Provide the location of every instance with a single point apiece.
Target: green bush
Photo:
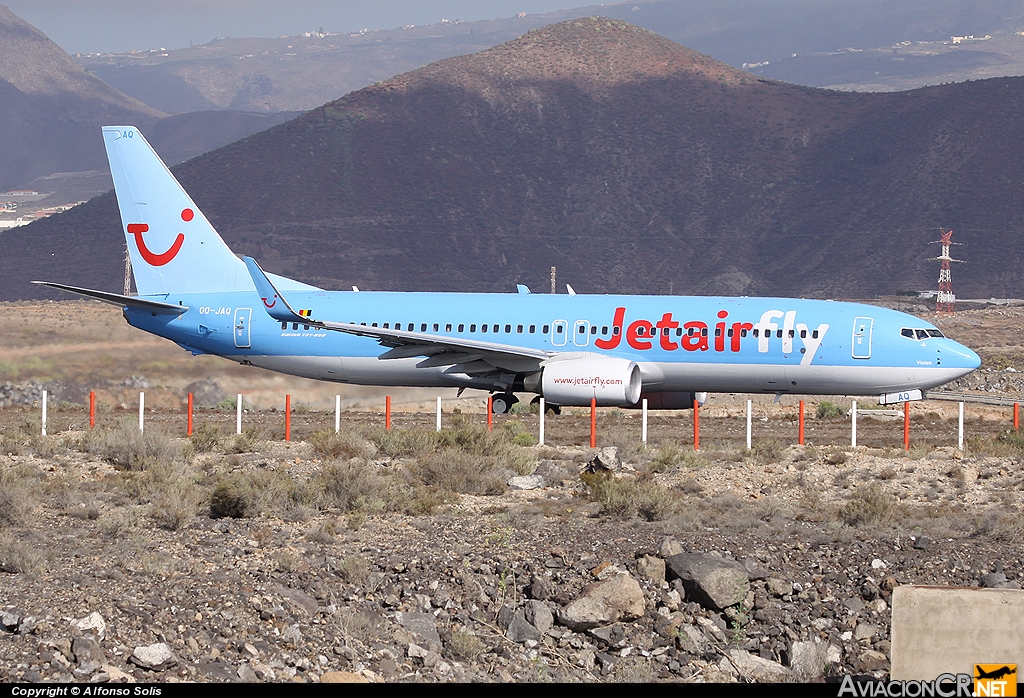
(829, 410)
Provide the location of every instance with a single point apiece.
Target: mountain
(628, 161)
(865, 45)
(51, 111)
(51, 107)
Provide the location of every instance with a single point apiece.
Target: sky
(101, 26)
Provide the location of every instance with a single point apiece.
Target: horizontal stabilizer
(117, 299)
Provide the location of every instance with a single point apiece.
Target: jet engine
(613, 382)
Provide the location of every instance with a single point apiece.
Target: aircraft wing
(155, 307)
(466, 355)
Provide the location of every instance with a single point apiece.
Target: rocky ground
(391, 556)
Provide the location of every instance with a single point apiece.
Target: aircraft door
(862, 327)
(559, 333)
(581, 333)
(243, 316)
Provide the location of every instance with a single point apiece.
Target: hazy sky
(83, 26)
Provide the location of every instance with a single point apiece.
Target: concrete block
(938, 630)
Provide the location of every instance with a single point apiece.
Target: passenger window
(604, 329)
(729, 333)
(778, 333)
(544, 330)
(410, 327)
(792, 334)
(581, 329)
(533, 328)
(462, 328)
(679, 332)
(385, 325)
(755, 332)
(558, 329)
(305, 327)
(472, 328)
(593, 329)
(295, 326)
(803, 334)
(423, 327)
(508, 329)
(436, 327)
(284, 325)
(690, 331)
(519, 329)
(615, 331)
(665, 331)
(718, 331)
(448, 328)
(814, 334)
(704, 332)
(483, 327)
(372, 325)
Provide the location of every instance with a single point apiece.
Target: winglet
(522, 288)
(273, 302)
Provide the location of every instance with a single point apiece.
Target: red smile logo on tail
(156, 260)
(270, 305)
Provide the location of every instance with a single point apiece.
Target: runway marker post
(287, 417)
(337, 414)
(750, 405)
(853, 425)
(44, 413)
(593, 422)
(906, 426)
(92, 409)
(540, 439)
(801, 436)
(438, 413)
(387, 412)
(643, 427)
(189, 426)
(142, 412)
(238, 414)
(696, 426)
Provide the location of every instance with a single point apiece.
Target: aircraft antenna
(127, 271)
(945, 300)
(553, 287)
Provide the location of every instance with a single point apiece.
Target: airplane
(567, 348)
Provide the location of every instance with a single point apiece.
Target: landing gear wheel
(502, 403)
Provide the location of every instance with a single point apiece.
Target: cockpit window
(907, 332)
(935, 333)
(922, 334)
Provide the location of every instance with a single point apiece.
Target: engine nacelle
(613, 382)
(673, 401)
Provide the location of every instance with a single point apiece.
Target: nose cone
(961, 357)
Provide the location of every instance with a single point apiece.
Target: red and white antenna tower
(945, 300)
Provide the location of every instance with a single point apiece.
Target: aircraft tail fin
(173, 247)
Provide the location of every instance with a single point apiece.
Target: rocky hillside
(628, 161)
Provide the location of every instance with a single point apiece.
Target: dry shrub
(829, 410)
(402, 443)
(327, 444)
(128, 448)
(246, 442)
(249, 494)
(17, 499)
(464, 645)
(1001, 526)
(628, 497)
(456, 471)
(766, 451)
(19, 556)
(353, 486)
(870, 505)
(206, 438)
(354, 569)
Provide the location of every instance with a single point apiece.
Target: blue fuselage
(713, 344)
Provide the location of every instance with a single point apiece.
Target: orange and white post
(387, 412)
(906, 426)
(696, 426)
(287, 417)
(593, 422)
(800, 439)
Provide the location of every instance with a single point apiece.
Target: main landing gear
(501, 403)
